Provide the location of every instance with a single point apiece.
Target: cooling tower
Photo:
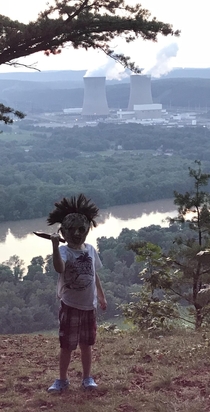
(140, 90)
(95, 102)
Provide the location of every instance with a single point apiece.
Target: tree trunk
(196, 288)
(198, 317)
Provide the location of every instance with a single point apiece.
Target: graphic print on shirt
(79, 273)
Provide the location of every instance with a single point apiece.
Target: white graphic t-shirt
(77, 285)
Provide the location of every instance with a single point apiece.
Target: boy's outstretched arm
(58, 263)
(100, 292)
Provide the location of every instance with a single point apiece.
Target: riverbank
(17, 238)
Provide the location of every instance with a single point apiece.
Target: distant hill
(50, 96)
(187, 73)
(61, 79)
(45, 76)
(191, 93)
(69, 76)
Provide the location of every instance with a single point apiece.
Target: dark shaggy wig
(78, 204)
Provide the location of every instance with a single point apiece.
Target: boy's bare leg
(86, 358)
(65, 357)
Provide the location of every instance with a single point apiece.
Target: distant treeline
(189, 93)
(40, 168)
(30, 305)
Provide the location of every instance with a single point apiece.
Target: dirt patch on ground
(134, 373)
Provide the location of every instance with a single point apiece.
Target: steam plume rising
(163, 58)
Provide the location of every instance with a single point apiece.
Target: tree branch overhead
(81, 24)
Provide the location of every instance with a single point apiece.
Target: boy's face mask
(75, 228)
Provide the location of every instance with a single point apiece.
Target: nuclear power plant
(140, 104)
(95, 103)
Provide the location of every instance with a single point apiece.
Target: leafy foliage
(194, 208)
(16, 265)
(22, 301)
(84, 24)
(4, 111)
(170, 273)
(39, 167)
(149, 314)
(152, 309)
(181, 274)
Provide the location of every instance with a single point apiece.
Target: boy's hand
(55, 239)
(103, 302)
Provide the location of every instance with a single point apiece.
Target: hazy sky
(190, 50)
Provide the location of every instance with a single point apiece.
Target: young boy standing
(78, 285)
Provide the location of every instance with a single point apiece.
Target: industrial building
(140, 100)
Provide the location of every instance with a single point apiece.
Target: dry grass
(134, 373)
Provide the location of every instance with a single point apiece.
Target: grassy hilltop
(134, 373)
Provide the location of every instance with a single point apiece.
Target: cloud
(163, 60)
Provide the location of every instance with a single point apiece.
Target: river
(17, 238)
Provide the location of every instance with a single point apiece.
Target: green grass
(135, 372)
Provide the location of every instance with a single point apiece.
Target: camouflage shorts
(76, 326)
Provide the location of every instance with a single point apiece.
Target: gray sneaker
(59, 385)
(89, 383)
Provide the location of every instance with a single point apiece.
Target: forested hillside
(39, 167)
(38, 97)
(28, 299)
(30, 304)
